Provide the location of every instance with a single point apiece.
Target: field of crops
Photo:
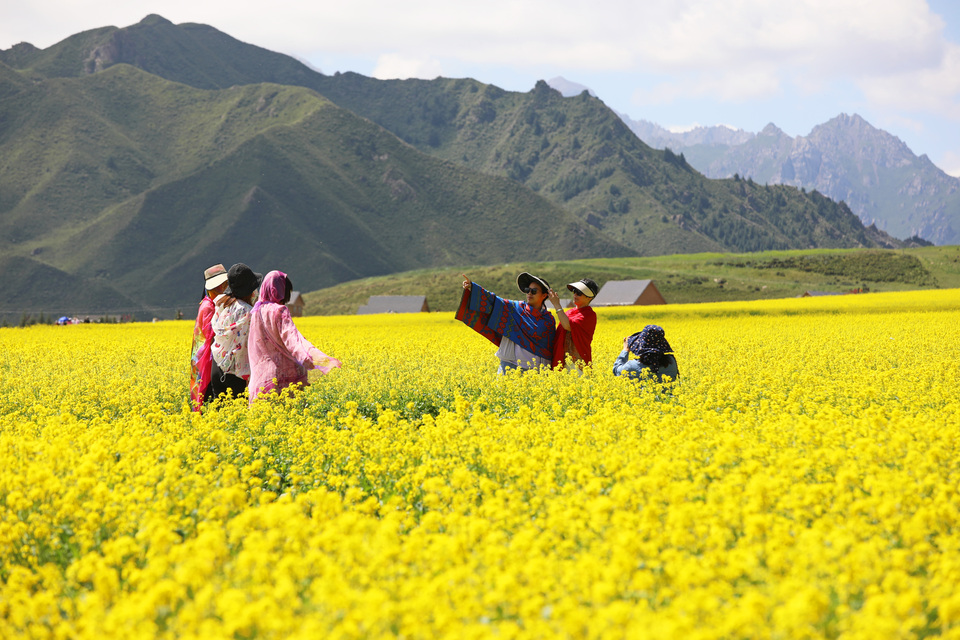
(803, 480)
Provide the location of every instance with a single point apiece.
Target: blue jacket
(636, 370)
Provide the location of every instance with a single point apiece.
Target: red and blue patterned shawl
(493, 317)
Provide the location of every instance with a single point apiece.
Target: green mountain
(575, 151)
(129, 182)
(580, 154)
(134, 157)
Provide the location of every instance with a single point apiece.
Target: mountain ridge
(266, 174)
(449, 118)
(134, 178)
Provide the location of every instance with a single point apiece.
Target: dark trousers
(220, 382)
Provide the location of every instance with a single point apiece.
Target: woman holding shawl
(279, 354)
(523, 331)
(575, 333)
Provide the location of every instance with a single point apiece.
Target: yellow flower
(801, 480)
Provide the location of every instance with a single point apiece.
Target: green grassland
(688, 278)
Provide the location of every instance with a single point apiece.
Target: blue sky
(678, 63)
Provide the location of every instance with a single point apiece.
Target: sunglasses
(532, 290)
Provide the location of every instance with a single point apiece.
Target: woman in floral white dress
(231, 327)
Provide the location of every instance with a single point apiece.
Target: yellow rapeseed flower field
(803, 481)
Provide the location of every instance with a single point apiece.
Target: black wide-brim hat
(243, 281)
(524, 280)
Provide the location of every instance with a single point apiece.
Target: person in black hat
(523, 331)
(231, 327)
(654, 356)
(575, 334)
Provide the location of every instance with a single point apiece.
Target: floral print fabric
(231, 328)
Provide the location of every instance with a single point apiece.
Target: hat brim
(631, 342)
(582, 288)
(524, 280)
(215, 281)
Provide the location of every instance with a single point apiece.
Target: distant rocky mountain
(660, 138)
(657, 136)
(846, 159)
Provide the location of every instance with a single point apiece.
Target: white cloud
(392, 66)
(670, 36)
(727, 85)
(736, 52)
(832, 36)
(949, 161)
(678, 37)
(750, 49)
(934, 89)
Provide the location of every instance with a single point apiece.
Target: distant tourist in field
(214, 282)
(654, 356)
(575, 333)
(279, 354)
(523, 331)
(231, 326)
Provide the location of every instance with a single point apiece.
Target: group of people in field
(245, 341)
(527, 338)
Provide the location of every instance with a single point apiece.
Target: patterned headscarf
(273, 288)
(649, 345)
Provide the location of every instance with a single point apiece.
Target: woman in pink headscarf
(279, 354)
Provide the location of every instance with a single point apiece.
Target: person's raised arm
(466, 281)
(561, 314)
(620, 364)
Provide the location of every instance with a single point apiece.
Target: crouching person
(654, 357)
